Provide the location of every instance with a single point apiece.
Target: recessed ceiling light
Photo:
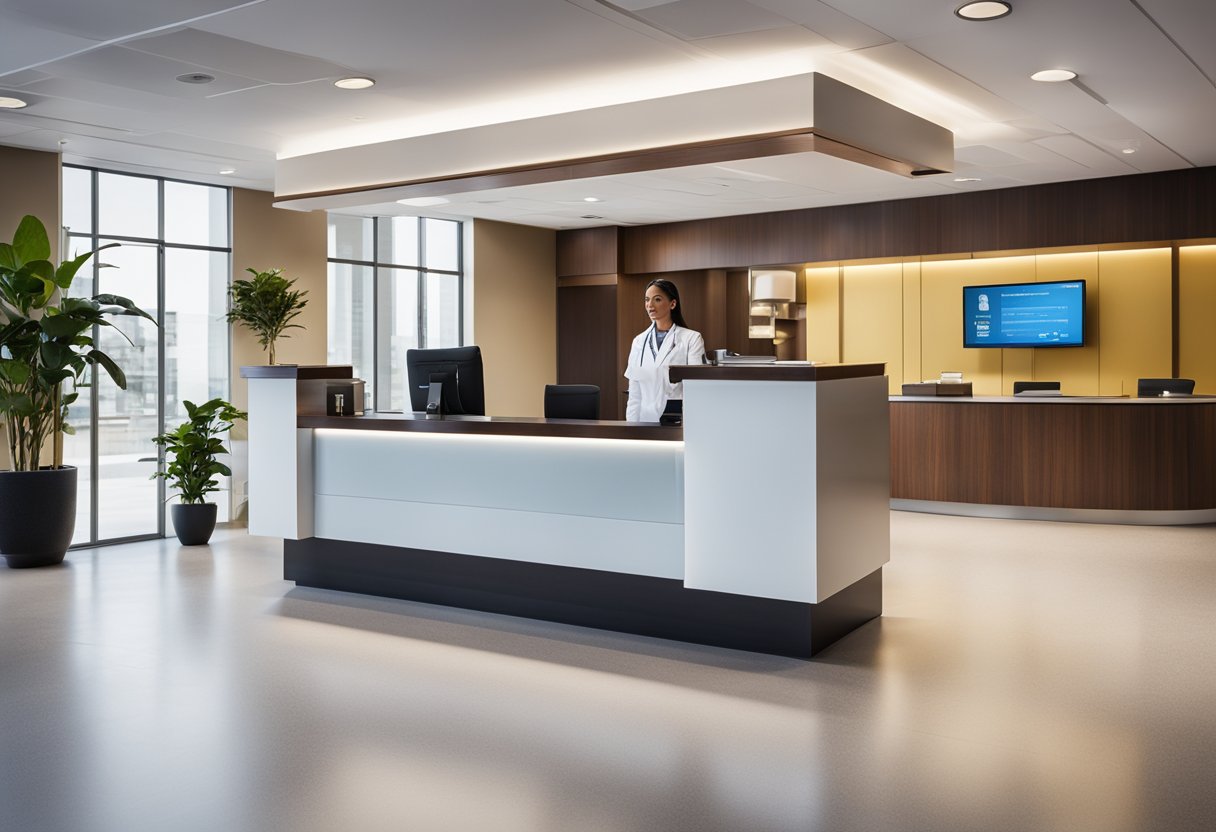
(1129, 150)
(196, 78)
(983, 10)
(1053, 76)
(591, 199)
(423, 201)
(968, 179)
(227, 171)
(355, 82)
(10, 103)
(590, 217)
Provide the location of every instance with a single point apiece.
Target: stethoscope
(652, 339)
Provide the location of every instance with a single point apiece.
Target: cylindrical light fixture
(779, 285)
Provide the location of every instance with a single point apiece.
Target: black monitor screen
(459, 368)
(1025, 315)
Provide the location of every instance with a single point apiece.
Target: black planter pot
(37, 515)
(193, 523)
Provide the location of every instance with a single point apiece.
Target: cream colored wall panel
(265, 238)
(872, 316)
(1134, 318)
(942, 284)
(1075, 368)
(515, 314)
(823, 313)
(912, 327)
(1196, 314)
(31, 185)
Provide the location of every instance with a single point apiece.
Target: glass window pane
(78, 200)
(442, 244)
(350, 238)
(399, 332)
(398, 241)
(126, 420)
(196, 334)
(196, 341)
(196, 214)
(77, 449)
(127, 205)
(350, 329)
(442, 311)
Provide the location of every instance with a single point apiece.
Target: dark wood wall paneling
(588, 251)
(586, 340)
(1141, 457)
(1174, 205)
(587, 313)
(708, 259)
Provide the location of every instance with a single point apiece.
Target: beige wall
(264, 238)
(514, 314)
(31, 186)
(909, 314)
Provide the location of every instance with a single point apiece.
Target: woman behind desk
(665, 342)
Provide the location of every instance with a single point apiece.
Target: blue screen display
(1025, 315)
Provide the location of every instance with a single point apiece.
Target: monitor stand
(434, 400)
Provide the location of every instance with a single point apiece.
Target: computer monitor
(455, 371)
(1147, 387)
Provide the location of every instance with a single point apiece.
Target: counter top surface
(772, 372)
(299, 371)
(1056, 400)
(497, 426)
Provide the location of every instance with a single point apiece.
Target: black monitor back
(572, 401)
(459, 368)
(1146, 387)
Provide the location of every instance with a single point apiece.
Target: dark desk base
(637, 604)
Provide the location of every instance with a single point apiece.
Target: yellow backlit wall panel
(942, 284)
(1076, 368)
(1197, 316)
(1134, 318)
(823, 313)
(872, 316)
(912, 328)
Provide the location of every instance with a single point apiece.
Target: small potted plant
(192, 471)
(266, 304)
(46, 351)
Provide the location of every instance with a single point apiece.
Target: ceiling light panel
(984, 10)
(1053, 76)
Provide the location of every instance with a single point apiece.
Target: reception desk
(686, 533)
(1107, 460)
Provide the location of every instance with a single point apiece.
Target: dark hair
(668, 288)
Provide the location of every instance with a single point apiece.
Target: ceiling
(100, 77)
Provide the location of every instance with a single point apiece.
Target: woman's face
(659, 306)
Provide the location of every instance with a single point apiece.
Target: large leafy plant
(266, 304)
(46, 339)
(194, 445)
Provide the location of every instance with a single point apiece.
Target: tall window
(395, 283)
(174, 262)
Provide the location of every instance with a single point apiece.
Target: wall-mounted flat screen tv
(1025, 314)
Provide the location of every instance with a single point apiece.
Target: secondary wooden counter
(1099, 459)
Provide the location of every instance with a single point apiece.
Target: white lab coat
(649, 388)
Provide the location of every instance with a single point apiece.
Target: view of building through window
(173, 261)
(395, 283)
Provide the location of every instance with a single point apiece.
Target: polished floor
(1025, 676)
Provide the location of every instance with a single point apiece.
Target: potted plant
(194, 446)
(266, 304)
(46, 339)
